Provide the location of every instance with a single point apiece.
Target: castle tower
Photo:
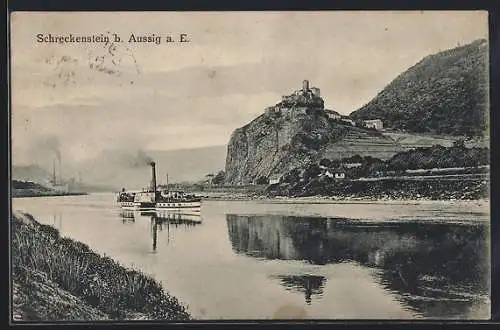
(316, 91)
(305, 85)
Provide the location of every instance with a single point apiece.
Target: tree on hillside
(219, 177)
(262, 180)
(460, 143)
(209, 177)
(353, 159)
(311, 171)
(325, 162)
(359, 123)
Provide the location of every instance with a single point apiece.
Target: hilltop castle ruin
(306, 97)
(309, 98)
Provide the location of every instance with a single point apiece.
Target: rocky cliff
(292, 134)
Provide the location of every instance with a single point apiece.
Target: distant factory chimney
(153, 177)
(60, 171)
(305, 85)
(54, 172)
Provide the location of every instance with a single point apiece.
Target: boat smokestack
(153, 177)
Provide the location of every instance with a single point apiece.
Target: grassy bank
(56, 278)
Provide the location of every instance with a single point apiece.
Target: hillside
(294, 132)
(436, 172)
(55, 278)
(445, 93)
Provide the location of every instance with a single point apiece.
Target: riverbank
(33, 189)
(58, 279)
(339, 200)
(30, 193)
(376, 189)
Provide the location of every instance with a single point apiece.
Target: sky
(87, 98)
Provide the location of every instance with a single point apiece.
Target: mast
(60, 170)
(167, 181)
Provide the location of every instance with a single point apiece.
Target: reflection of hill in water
(436, 266)
(308, 284)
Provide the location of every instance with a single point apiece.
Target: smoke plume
(50, 143)
(140, 159)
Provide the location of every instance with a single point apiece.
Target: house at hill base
(351, 165)
(374, 123)
(335, 174)
(339, 175)
(348, 120)
(274, 179)
(333, 114)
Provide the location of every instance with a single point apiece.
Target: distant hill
(33, 173)
(445, 93)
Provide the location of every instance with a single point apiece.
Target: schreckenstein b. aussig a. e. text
(151, 38)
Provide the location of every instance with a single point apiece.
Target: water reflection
(308, 284)
(434, 269)
(127, 216)
(57, 220)
(162, 221)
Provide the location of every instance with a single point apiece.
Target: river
(261, 260)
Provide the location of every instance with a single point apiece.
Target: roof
(333, 112)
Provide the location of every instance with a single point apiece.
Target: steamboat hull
(137, 206)
(179, 206)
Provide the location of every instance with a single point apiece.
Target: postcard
(177, 166)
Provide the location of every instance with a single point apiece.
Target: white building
(375, 123)
(339, 175)
(274, 180)
(333, 114)
(348, 120)
(336, 174)
(351, 165)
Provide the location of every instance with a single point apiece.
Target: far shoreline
(232, 197)
(50, 195)
(336, 200)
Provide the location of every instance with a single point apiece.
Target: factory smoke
(51, 143)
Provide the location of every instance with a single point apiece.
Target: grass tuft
(99, 281)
